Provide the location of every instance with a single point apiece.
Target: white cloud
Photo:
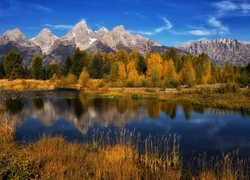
(139, 15)
(221, 29)
(149, 33)
(226, 5)
(230, 8)
(59, 26)
(167, 26)
(200, 32)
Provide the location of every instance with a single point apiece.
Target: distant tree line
(128, 69)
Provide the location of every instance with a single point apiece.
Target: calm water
(81, 117)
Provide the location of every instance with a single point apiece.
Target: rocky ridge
(221, 50)
(56, 49)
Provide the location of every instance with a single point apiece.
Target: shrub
(228, 88)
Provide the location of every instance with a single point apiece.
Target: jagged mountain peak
(45, 39)
(46, 31)
(119, 29)
(14, 34)
(221, 50)
(103, 29)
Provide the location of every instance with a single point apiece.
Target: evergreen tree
(2, 73)
(67, 66)
(248, 69)
(141, 65)
(13, 65)
(80, 59)
(51, 70)
(37, 69)
(96, 68)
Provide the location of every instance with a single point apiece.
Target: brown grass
(54, 158)
(26, 84)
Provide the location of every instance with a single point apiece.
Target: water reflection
(79, 116)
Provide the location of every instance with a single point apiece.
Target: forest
(123, 69)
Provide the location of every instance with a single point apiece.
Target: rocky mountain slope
(221, 50)
(45, 39)
(16, 40)
(56, 49)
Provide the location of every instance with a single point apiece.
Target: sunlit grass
(209, 95)
(55, 158)
(27, 84)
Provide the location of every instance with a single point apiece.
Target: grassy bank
(219, 96)
(54, 158)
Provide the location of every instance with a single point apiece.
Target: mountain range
(55, 49)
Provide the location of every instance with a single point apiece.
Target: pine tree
(13, 65)
(37, 69)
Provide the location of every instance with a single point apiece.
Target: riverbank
(216, 95)
(55, 158)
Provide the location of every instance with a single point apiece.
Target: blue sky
(168, 22)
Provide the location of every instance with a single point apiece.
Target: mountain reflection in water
(78, 116)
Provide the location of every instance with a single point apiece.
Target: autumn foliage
(129, 69)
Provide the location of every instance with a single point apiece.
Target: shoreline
(203, 95)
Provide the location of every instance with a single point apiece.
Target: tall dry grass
(55, 158)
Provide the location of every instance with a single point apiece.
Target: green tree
(248, 69)
(13, 65)
(37, 69)
(51, 70)
(114, 72)
(96, 68)
(228, 74)
(141, 65)
(122, 56)
(67, 66)
(2, 73)
(107, 60)
(170, 54)
(80, 59)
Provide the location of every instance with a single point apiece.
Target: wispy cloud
(59, 26)
(167, 26)
(231, 8)
(126, 13)
(200, 32)
(221, 29)
(157, 30)
(41, 8)
(140, 16)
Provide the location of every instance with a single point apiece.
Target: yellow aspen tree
(187, 74)
(169, 72)
(133, 56)
(154, 68)
(84, 78)
(206, 76)
(122, 72)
